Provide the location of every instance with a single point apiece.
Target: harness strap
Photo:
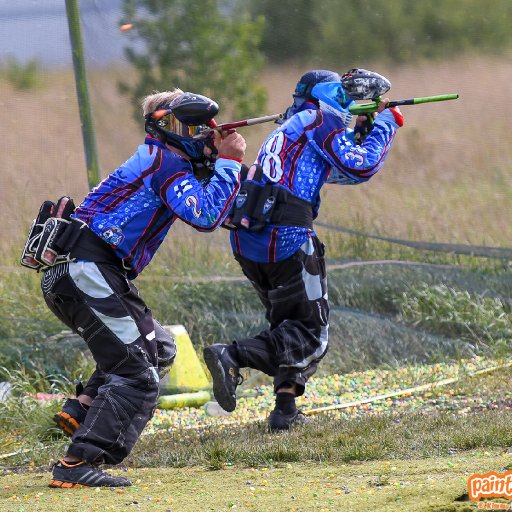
(90, 247)
(290, 210)
(257, 206)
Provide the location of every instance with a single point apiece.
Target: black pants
(294, 294)
(98, 302)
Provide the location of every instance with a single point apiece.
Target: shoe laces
(236, 377)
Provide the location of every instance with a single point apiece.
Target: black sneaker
(81, 474)
(225, 374)
(278, 420)
(69, 418)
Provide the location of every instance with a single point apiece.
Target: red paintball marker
(231, 127)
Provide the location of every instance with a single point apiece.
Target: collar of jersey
(154, 142)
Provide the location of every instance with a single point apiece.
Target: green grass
(381, 314)
(433, 485)
(408, 432)
(459, 314)
(329, 440)
(414, 459)
(416, 462)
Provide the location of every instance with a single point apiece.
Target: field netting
(368, 324)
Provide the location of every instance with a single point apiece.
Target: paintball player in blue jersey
(105, 243)
(276, 246)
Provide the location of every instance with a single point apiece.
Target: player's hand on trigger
(230, 145)
(362, 119)
(397, 114)
(364, 125)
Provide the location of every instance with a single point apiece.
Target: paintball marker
(229, 127)
(364, 108)
(359, 84)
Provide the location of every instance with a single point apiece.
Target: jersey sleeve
(202, 204)
(351, 163)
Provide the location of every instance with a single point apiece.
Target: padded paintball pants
(294, 294)
(100, 304)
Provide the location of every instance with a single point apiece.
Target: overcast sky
(38, 29)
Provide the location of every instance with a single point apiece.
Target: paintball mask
(361, 84)
(179, 122)
(323, 88)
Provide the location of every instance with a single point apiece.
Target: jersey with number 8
(310, 149)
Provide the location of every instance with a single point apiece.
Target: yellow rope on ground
(405, 392)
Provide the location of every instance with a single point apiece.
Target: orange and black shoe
(69, 418)
(68, 475)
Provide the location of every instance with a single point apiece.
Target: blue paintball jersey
(134, 207)
(308, 150)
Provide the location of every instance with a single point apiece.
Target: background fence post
(84, 104)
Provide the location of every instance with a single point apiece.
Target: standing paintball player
(276, 245)
(104, 244)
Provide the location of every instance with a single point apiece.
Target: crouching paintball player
(90, 255)
(274, 241)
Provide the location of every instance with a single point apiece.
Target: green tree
(343, 33)
(290, 27)
(199, 46)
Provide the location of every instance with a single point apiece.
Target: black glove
(363, 127)
(203, 171)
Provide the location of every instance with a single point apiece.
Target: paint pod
(181, 400)
(214, 409)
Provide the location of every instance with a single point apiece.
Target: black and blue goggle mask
(179, 122)
(324, 88)
(332, 97)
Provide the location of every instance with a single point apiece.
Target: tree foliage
(217, 47)
(341, 32)
(198, 47)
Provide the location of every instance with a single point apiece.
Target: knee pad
(132, 394)
(166, 350)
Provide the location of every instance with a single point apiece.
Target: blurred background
(447, 180)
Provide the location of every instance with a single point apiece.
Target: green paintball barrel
(363, 108)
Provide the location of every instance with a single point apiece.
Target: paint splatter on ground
(357, 388)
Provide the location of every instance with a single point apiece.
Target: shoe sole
(275, 430)
(220, 391)
(66, 423)
(65, 485)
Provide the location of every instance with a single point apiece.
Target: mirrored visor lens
(177, 127)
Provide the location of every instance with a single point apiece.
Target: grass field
(433, 485)
(416, 457)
